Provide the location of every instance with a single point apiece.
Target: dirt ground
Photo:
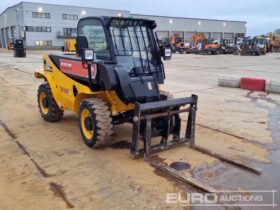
(47, 166)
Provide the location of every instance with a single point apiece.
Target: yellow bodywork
(68, 93)
(10, 45)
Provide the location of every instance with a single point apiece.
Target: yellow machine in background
(11, 45)
(69, 45)
(274, 41)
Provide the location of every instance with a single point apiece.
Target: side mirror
(81, 43)
(87, 55)
(166, 53)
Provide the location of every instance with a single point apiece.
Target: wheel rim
(44, 105)
(86, 122)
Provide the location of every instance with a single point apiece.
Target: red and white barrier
(250, 83)
(272, 86)
(253, 84)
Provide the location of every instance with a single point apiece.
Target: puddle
(179, 166)
(225, 176)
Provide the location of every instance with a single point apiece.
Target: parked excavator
(212, 47)
(178, 44)
(198, 41)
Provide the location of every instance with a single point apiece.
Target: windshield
(251, 41)
(131, 38)
(262, 41)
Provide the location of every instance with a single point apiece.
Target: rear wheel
(48, 107)
(95, 123)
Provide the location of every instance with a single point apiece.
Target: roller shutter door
(216, 36)
(2, 41)
(240, 35)
(179, 34)
(228, 36)
(162, 34)
(189, 36)
(7, 35)
(207, 34)
(13, 31)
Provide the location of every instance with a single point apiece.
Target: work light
(88, 55)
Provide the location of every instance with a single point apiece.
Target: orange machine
(178, 44)
(198, 38)
(212, 44)
(205, 46)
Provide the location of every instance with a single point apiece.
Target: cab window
(94, 31)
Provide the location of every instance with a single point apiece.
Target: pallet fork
(144, 114)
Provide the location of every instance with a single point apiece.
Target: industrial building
(48, 25)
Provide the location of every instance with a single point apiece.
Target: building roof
(10, 8)
(29, 2)
(174, 17)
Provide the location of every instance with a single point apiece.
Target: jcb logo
(65, 91)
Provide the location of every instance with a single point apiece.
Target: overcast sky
(261, 16)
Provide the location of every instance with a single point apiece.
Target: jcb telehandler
(115, 79)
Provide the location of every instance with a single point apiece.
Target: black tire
(48, 107)
(257, 53)
(98, 121)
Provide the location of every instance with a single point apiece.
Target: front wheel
(48, 107)
(95, 123)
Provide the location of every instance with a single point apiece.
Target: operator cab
(127, 57)
(128, 42)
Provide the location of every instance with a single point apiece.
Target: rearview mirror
(167, 53)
